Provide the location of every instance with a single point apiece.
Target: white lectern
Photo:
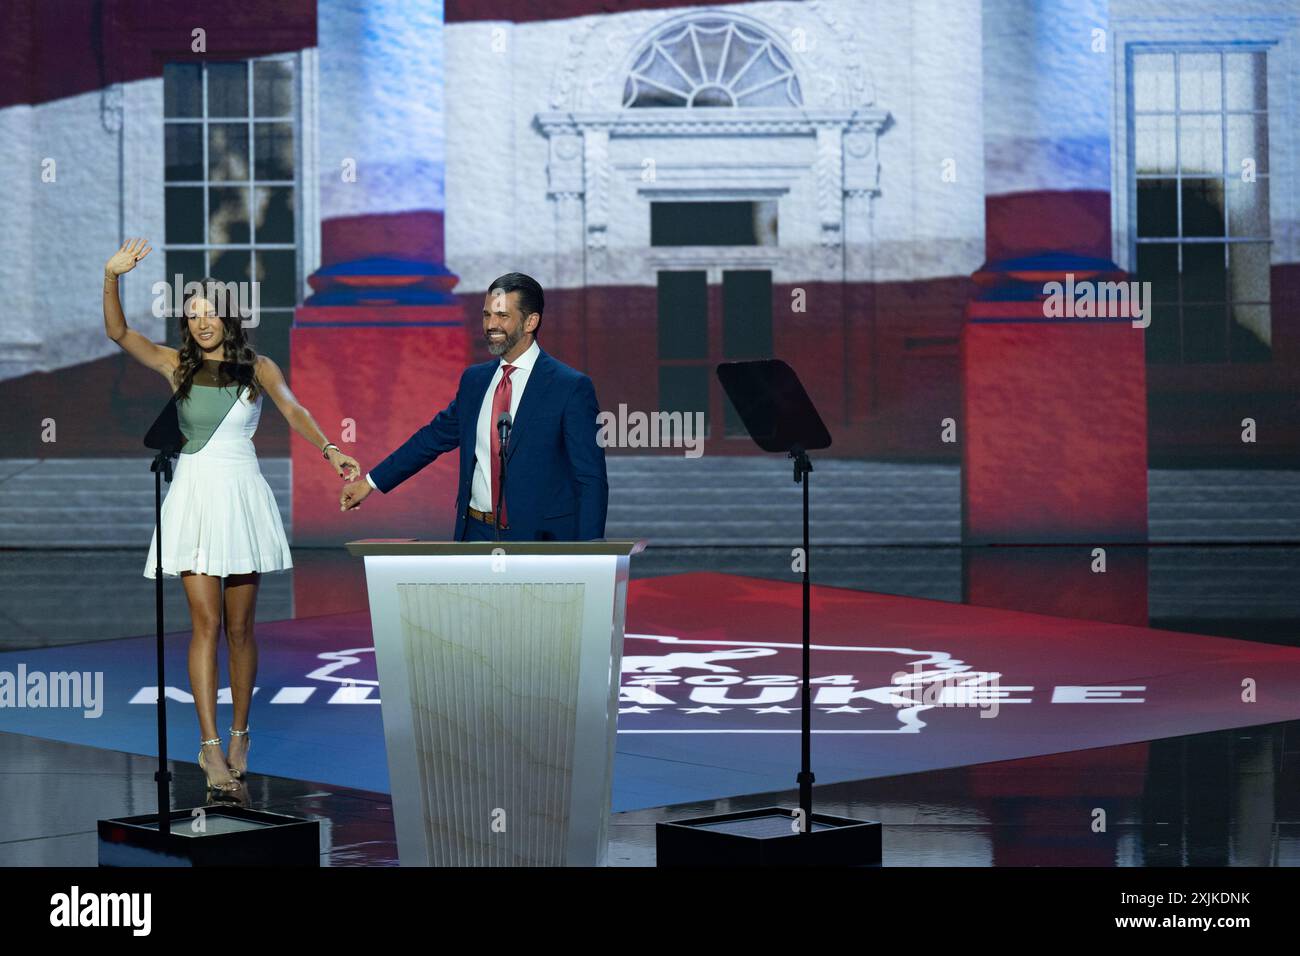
(498, 667)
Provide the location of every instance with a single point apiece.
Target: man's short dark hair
(530, 292)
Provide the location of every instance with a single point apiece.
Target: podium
(498, 666)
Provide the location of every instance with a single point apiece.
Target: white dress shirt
(480, 498)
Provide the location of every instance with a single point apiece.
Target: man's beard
(504, 346)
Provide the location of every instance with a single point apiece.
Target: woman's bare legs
(241, 606)
(204, 594)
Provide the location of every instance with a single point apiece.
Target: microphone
(503, 428)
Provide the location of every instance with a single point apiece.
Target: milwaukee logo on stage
(678, 685)
(675, 685)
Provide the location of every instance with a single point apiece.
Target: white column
(1047, 96)
(381, 106)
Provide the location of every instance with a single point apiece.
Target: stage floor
(902, 685)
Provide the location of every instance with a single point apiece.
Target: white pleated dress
(219, 515)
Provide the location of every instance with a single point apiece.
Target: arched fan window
(712, 62)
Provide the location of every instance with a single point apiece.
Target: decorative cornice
(736, 121)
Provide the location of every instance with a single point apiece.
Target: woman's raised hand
(124, 260)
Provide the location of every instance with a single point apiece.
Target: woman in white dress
(220, 524)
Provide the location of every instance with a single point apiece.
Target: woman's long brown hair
(239, 362)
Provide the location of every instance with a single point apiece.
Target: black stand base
(764, 837)
(227, 836)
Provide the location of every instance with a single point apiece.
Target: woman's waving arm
(300, 420)
(160, 358)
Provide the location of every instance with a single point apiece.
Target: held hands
(124, 260)
(343, 463)
(349, 470)
(353, 494)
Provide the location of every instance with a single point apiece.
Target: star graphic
(846, 709)
(774, 709)
(703, 710)
(638, 710)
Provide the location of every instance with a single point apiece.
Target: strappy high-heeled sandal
(239, 772)
(226, 787)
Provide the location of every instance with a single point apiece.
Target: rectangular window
(683, 317)
(746, 327)
(683, 313)
(1201, 180)
(231, 192)
(713, 223)
(746, 314)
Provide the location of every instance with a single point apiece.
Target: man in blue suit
(555, 487)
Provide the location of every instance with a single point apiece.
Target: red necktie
(500, 403)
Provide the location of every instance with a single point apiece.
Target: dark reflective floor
(1223, 799)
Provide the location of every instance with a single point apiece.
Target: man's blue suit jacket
(556, 487)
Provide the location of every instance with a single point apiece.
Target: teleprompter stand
(781, 418)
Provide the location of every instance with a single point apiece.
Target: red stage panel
(377, 375)
(1055, 447)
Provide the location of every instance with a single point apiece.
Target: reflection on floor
(50, 597)
(1230, 798)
